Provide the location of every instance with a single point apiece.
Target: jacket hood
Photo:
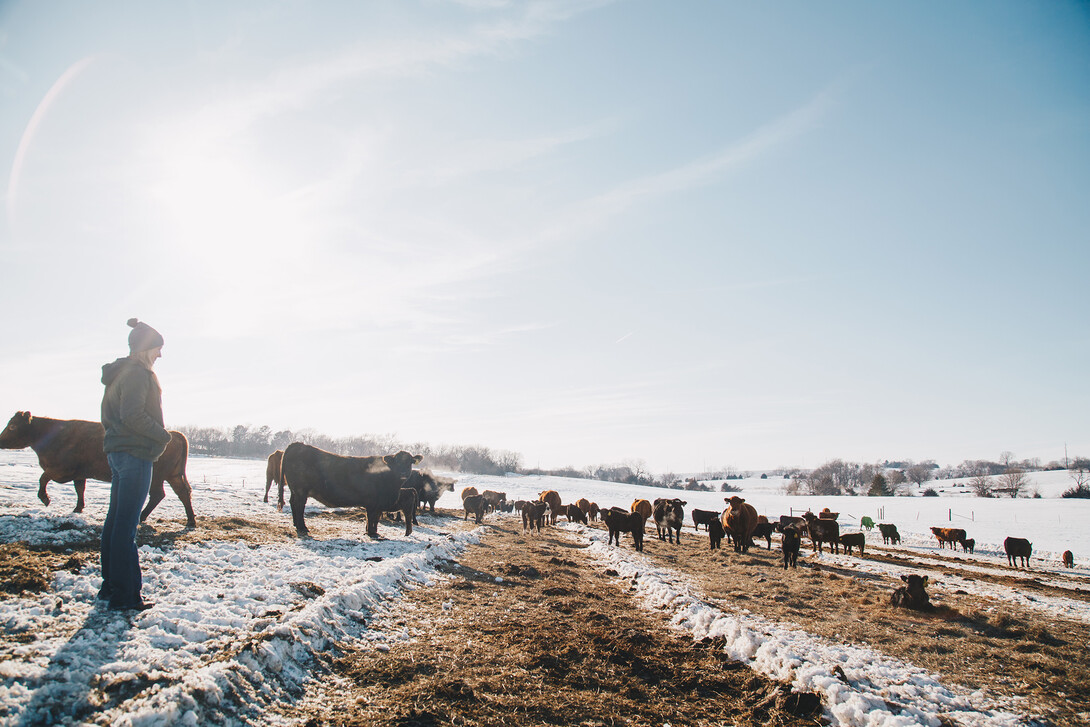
(112, 370)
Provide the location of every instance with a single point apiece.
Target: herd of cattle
(71, 451)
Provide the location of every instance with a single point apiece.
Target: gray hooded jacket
(132, 410)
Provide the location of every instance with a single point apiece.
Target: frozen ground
(237, 626)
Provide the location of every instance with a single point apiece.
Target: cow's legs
(298, 505)
(373, 514)
(81, 487)
(155, 496)
(42, 494)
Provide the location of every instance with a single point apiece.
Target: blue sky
(695, 234)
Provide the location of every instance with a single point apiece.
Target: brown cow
(853, 540)
(373, 483)
(969, 545)
(913, 594)
(823, 531)
(552, 499)
(583, 504)
(272, 471)
(493, 499)
(1017, 548)
(949, 535)
(594, 512)
(469, 491)
(533, 515)
(1069, 559)
(70, 450)
(740, 519)
(669, 517)
(643, 507)
(475, 505)
(618, 521)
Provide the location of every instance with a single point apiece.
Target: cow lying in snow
(913, 594)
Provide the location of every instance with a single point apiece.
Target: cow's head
(16, 434)
(402, 463)
(915, 583)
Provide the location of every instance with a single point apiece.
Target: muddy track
(526, 632)
(969, 639)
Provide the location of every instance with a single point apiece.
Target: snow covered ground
(236, 625)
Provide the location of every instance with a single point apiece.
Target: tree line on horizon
(1006, 477)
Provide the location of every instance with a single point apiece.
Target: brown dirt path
(526, 632)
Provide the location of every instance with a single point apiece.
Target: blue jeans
(121, 579)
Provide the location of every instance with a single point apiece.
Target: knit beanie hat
(143, 337)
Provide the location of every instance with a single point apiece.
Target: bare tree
(1013, 482)
(981, 484)
(920, 472)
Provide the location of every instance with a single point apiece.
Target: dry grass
(555, 643)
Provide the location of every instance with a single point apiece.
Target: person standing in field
(132, 414)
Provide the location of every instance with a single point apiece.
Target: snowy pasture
(237, 626)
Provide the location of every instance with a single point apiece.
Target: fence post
(950, 515)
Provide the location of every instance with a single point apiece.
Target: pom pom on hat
(143, 337)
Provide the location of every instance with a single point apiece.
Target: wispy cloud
(773, 135)
(299, 83)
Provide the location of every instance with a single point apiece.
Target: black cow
(430, 488)
(1017, 548)
(669, 518)
(765, 530)
(620, 521)
(715, 533)
(373, 483)
(889, 533)
(574, 513)
(705, 518)
(790, 543)
(853, 540)
(823, 530)
(913, 594)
